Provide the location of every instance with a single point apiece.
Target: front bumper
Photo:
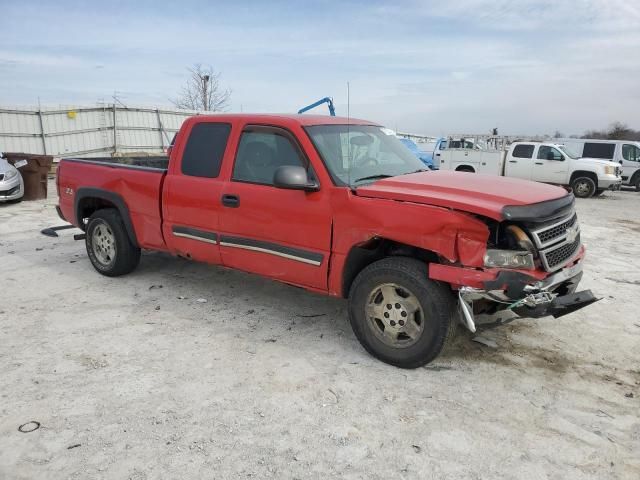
(524, 295)
(12, 189)
(609, 182)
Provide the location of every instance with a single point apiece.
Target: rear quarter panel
(139, 189)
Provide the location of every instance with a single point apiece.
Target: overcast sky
(432, 67)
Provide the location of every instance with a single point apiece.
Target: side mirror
(293, 177)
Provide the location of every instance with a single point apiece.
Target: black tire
(465, 169)
(599, 192)
(636, 183)
(125, 257)
(583, 187)
(436, 301)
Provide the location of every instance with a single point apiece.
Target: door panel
(283, 234)
(630, 160)
(547, 170)
(280, 233)
(191, 217)
(519, 162)
(191, 193)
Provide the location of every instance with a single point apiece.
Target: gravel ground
(182, 370)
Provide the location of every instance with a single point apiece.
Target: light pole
(205, 81)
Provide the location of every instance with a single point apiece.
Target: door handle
(539, 163)
(513, 161)
(232, 201)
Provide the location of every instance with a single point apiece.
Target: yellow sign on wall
(71, 114)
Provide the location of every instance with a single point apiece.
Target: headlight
(10, 174)
(609, 170)
(509, 259)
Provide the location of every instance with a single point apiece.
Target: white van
(624, 152)
(540, 162)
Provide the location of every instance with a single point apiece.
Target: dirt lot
(182, 370)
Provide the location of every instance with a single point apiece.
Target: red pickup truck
(337, 206)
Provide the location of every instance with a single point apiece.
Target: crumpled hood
(470, 192)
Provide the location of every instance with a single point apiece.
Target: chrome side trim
(193, 237)
(271, 252)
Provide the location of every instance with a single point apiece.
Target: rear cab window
(523, 151)
(205, 148)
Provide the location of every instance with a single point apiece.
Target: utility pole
(205, 82)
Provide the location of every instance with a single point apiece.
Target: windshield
(567, 152)
(360, 154)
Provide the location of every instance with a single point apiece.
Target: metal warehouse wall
(88, 131)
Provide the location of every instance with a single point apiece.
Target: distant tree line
(616, 131)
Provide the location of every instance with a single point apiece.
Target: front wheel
(583, 187)
(108, 245)
(398, 314)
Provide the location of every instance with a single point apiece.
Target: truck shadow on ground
(285, 305)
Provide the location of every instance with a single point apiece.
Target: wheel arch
(88, 200)
(584, 173)
(364, 254)
(465, 168)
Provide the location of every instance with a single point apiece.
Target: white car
(11, 183)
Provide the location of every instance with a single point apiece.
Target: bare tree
(558, 134)
(203, 91)
(619, 131)
(616, 131)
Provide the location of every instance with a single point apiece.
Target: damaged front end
(525, 296)
(531, 266)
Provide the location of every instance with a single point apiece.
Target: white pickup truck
(537, 161)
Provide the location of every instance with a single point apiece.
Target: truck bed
(136, 182)
(157, 161)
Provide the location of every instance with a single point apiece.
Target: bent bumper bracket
(559, 306)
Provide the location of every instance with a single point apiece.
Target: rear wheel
(399, 315)
(583, 187)
(636, 183)
(108, 245)
(465, 169)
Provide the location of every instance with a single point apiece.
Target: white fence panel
(73, 130)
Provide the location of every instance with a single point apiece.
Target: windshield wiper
(373, 177)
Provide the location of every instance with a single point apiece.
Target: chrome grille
(551, 234)
(557, 243)
(558, 256)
